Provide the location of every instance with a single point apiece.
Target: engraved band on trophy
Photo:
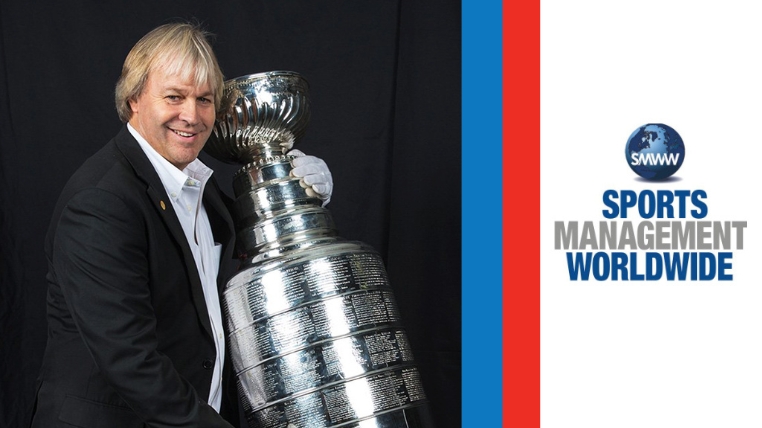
(315, 336)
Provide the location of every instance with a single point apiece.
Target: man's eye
(204, 100)
(173, 97)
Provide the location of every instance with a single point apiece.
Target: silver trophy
(315, 336)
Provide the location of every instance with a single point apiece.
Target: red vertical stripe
(521, 214)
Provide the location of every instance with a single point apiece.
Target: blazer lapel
(155, 190)
(222, 229)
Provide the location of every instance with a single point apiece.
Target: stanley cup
(315, 336)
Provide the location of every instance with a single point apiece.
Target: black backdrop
(385, 87)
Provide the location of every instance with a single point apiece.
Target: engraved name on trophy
(315, 335)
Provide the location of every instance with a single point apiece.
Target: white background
(651, 354)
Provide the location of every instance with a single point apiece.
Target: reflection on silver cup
(315, 335)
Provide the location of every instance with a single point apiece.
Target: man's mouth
(183, 134)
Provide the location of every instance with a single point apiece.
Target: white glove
(314, 174)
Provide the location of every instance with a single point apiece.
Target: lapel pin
(164, 207)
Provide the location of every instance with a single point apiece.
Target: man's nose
(189, 112)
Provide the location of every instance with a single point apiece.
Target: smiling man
(174, 114)
(139, 246)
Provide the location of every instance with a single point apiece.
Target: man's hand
(314, 173)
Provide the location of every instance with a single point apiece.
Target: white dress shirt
(186, 189)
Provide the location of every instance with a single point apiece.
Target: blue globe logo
(655, 151)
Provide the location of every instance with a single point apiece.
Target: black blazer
(129, 338)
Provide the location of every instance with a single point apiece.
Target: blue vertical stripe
(482, 213)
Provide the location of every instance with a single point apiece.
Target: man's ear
(133, 104)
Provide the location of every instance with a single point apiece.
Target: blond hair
(181, 49)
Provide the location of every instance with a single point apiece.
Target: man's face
(174, 115)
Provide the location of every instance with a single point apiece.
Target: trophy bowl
(261, 114)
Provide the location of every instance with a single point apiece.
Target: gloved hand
(314, 173)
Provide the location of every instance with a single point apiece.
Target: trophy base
(417, 416)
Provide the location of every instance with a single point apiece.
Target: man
(139, 246)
